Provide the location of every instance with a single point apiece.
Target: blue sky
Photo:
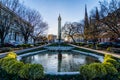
(70, 10)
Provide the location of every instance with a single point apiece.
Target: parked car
(105, 44)
(12, 44)
(109, 44)
(116, 44)
(8, 45)
(90, 42)
(15, 44)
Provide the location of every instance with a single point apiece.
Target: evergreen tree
(86, 25)
(97, 15)
(94, 26)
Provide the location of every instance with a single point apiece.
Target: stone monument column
(59, 28)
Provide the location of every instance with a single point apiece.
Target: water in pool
(60, 61)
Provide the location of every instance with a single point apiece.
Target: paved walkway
(99, 51)
(21, 51)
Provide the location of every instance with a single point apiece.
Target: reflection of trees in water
(75, 62)
(28, 59)
(69, 63)
(65, 63)
(91, 60)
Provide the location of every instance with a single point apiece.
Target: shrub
(108, 56)
(82, 44)
(5, 72)
(11, 55)
(31, 71)
(42, 43)
(111, 70)
(15, 67)
(108, 49)
(112, 61)
(25, 45)
(2, 73)
(99, 47)
(6, 49)
(90, 45)
(6, 63)
(97, 70)
(92, 71)
(107, 69)
(10, 66)
(36, 44)
(85, 72)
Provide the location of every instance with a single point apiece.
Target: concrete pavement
(21, 51)
(99, 51)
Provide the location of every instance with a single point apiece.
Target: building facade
(14, 34)
(52, 38)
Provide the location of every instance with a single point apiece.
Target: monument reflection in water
(60, 61)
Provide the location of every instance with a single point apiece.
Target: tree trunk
(118, 35)
(73, 39)
(2, 41)
(34, 41)
(26, 40)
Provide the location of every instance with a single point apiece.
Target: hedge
(10, 66)
(109, 67)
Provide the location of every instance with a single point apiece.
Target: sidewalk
(98, 51)
(21, 51)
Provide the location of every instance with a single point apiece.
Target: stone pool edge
(62, 73)
(97, 51)
(100, 58)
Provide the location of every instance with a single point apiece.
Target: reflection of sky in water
(70, 61)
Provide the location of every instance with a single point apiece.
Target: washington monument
(59, 28)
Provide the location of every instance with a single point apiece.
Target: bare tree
(39, 30)
(94, 25)
(39, 27)
(26, 30)
(11, 4)
(72, 29)
(6, 20)
(30, 23)
(110, 14)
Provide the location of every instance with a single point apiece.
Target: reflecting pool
(60, 61)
